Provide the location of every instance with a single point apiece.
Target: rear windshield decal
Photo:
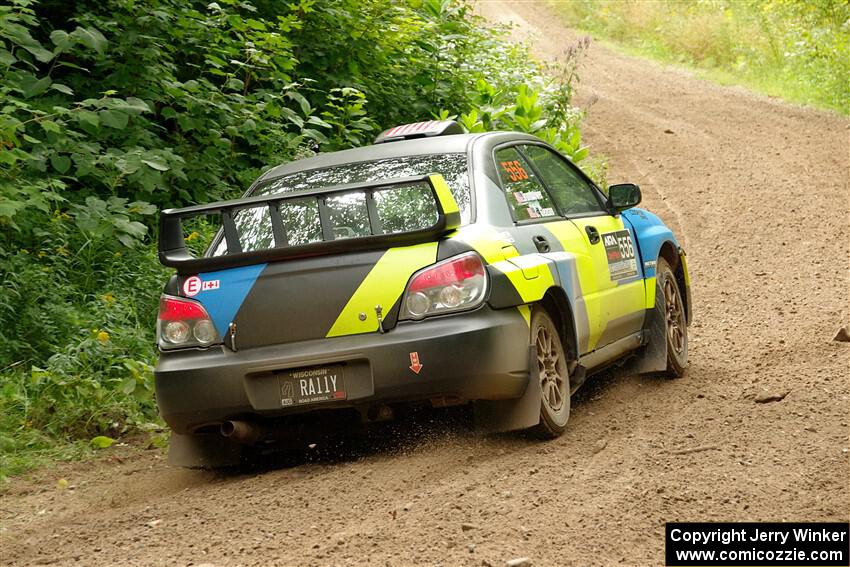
(620, 252)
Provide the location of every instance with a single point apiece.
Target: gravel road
(757, 189)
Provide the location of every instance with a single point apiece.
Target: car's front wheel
(672, 312)
(553, 368)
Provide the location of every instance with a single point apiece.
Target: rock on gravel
(842, 336)
(768, 397)
(519, 562)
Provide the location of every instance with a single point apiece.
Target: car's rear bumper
(472, 356)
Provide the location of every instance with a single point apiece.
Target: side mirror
(623, 196)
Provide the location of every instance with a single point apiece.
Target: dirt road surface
(757, 190)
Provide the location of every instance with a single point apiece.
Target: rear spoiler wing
(174, 253)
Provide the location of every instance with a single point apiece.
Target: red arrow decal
(414, 362)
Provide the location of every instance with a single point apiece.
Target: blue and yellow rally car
(433, 267)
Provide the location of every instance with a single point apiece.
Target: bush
(538, 106)
(113, 109)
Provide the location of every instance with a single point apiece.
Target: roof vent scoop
(419, 130)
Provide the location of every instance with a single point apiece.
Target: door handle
(541, 243)
(592, 234)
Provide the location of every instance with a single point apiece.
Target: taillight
(456, 284)
(184, 323)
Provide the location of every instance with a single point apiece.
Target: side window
(572, 193)
(524, 192)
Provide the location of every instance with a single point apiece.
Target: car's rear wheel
(672, 311)
(553, 369)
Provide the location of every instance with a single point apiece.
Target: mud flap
(654, 355)
(496, 416)
(203, 451)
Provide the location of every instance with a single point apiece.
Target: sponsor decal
(527, 196)
(620, 252)
(535, 211)
(195, 285)
(192, 286)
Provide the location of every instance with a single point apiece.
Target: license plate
(311, 385)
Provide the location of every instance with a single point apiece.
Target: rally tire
(670, 308)
(554, 373)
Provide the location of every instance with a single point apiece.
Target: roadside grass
(794, 50)
(37, 428)
(33, 450)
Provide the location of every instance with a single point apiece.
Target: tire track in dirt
(758, 191)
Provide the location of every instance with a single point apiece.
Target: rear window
(401, 209)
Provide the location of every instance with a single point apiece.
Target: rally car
(434, 267)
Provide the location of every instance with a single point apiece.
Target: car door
(610, 274)
(542, 236)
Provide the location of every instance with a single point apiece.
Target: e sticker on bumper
(620, 252)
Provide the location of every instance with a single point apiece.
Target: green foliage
(797, 49)
(102, 442)
(346, 115)
(113, 109)
(528, 112)
(537, 106)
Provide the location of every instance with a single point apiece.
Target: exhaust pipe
(243, 432)
(381, 412)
